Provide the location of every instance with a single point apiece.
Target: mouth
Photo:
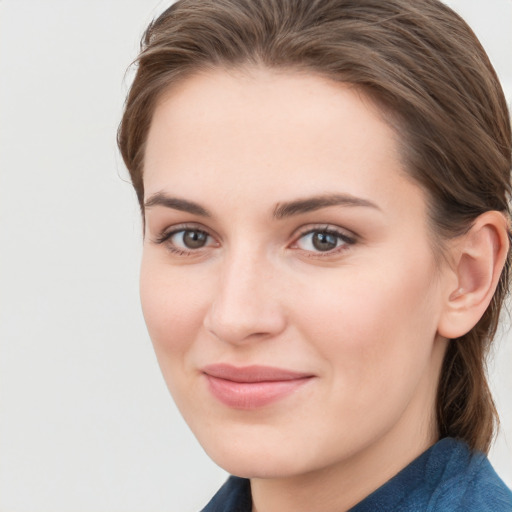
(252, 387)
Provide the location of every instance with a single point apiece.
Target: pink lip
(250, 387)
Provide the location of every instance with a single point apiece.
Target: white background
(86, 423)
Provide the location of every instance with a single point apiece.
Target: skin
(362, 319)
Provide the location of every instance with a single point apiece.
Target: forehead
(302, 133)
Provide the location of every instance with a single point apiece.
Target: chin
(261, 455)
(256, 465)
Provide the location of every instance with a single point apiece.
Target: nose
(246, 305)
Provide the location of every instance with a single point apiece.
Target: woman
(324, 186)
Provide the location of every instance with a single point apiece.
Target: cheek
(172, 305)
(376, 336)
(377, 323)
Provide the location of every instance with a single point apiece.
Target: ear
(477, 259)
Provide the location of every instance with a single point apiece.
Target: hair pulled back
(424, 67)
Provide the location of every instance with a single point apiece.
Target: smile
(251, 387)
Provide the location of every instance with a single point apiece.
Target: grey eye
(322, 241)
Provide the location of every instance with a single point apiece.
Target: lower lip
(252, 395)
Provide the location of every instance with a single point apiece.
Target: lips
(252, 387)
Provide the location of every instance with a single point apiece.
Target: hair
(425, 69)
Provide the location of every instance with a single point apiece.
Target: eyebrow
(310, 204)
(281, 211)
(161, 199)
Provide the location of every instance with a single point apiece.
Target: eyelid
(328, 228)
(170, 231)
(349, 238)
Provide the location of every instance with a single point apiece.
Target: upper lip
(253, 373)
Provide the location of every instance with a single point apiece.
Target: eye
(323, 240)
(189, 239)
(186, 240)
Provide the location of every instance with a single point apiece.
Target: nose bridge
(246, 304)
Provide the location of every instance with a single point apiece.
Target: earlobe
(478, 259)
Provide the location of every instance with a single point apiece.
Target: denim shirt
(448, 477)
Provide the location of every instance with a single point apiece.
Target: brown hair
(422, 64)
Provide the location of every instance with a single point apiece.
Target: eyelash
(165, 236)
(341, 236)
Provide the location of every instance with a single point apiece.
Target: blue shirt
(448, 477)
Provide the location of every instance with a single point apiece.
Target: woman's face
(288, 279)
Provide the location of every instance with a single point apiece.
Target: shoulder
(448, 477)
(469, 484)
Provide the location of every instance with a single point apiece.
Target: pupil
(324, 241)
(194, 239)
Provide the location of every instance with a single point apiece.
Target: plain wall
(86, 423)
